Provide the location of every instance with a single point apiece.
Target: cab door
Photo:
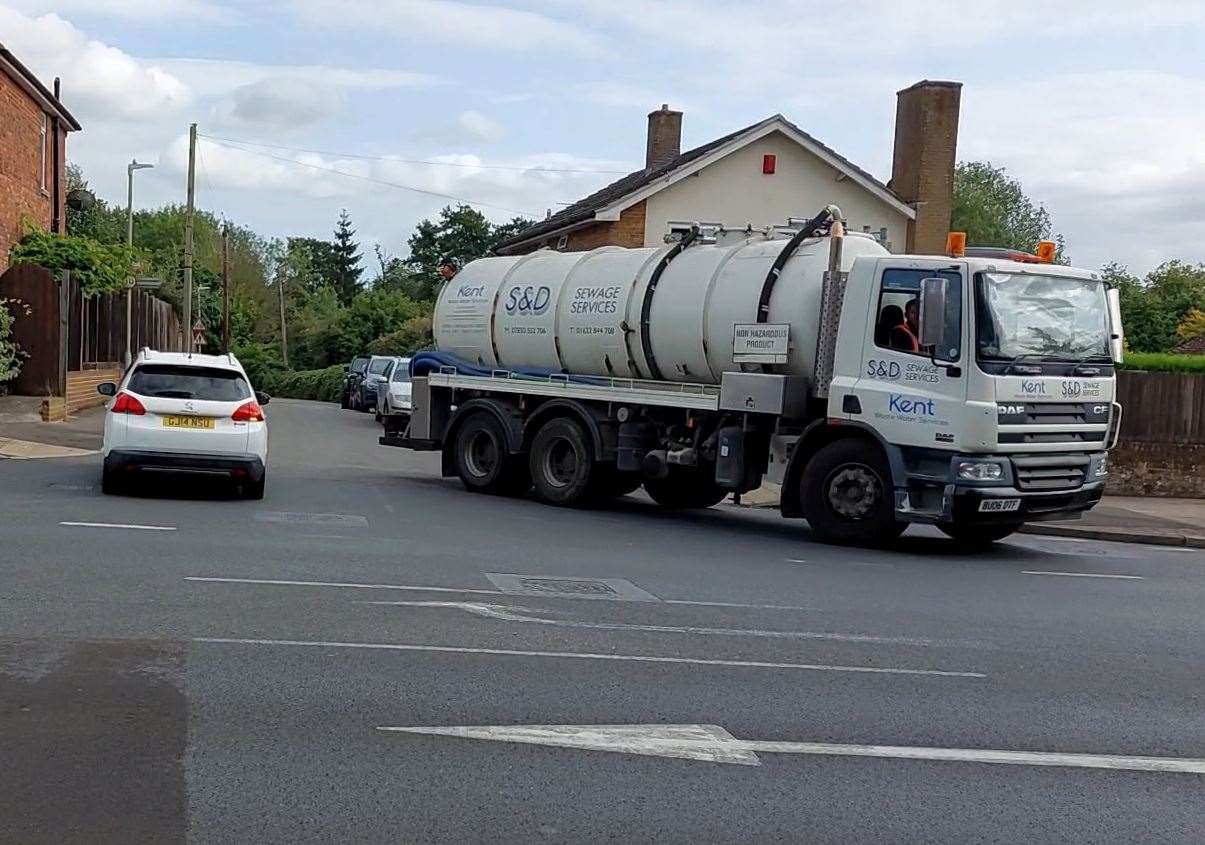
(904, 394)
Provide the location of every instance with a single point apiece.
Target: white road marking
(119, 525)
(1084, 575)
(507, 614)
(712, 743)
(465, 590)
(629, 658)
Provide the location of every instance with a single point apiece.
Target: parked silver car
(393, 396)
(375, 376)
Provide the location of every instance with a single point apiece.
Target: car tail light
(248, 412)
(127, 404)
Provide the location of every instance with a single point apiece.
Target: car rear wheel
(111, 483)
(254, 489)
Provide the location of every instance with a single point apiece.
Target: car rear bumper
(127, 460)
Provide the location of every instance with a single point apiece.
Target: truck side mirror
(932, 317)
(1116, 335)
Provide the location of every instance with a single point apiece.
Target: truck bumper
(964, 504)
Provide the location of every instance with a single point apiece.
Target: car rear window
(358, 365)
(177, 382)
(378, 366)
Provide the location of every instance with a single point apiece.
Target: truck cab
(988, 382)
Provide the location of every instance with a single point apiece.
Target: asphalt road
(154, 687)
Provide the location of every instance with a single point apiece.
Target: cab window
(897, 327)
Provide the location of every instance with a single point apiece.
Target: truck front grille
(1090, 437)
(1050, 472)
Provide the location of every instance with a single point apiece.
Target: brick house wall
(21, 185)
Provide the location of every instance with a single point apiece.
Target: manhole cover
(615, 589)
(327, 519)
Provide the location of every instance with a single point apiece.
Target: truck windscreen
(1040, 316)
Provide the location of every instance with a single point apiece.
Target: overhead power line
(513, 167)
(372, 179)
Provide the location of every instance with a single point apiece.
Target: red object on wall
(767, 163)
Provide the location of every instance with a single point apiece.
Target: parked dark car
(355, 374)
(364, 396)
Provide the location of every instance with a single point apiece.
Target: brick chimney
(665, 137)
(922, 173)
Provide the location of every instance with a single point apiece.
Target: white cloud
(1116, 157)
(491, 27)
(97, 79)
(478, 127)
(134, 10)
(217, 77)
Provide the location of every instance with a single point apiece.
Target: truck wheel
(847, 495)
(682, 490)
(611, 483)
(483, 461)
(562, 464)
(978, 536)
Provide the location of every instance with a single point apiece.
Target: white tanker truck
(973, 391)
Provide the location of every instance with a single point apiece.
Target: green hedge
(322, 385)
(1164, 362)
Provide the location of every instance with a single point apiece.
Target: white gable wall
(734, 191)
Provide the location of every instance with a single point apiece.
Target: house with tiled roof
(766, 173)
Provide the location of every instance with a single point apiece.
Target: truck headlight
(1102, 467)
(980, 471)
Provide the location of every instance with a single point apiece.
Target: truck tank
(580, 312)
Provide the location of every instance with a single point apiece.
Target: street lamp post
(130, 168)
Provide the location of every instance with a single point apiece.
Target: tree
(1191, 326)
(1153, 308)
(346, 260)
(461, 234)
(993, 210)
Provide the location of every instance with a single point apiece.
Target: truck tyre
(978, 536)
(483, 461)
(562, 464)
(683, 490)
(846, 493)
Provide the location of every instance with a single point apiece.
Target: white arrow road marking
(507, 614)
(714, 744)
(631, 658)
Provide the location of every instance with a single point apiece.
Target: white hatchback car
(174, 412)
(393, 396)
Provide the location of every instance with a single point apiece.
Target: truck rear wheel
(483, 461)
(978, 536)
(682, 490)
(611, 483)
(846, 495)
(562, 464)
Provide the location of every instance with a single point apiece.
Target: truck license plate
(999, 505)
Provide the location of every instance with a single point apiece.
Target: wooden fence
(1162, 407)
(96, 328)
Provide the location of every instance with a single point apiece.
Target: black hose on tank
(818, 225)
(646, 307)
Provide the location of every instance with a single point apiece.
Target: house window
(42, 152)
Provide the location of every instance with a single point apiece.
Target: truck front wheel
(562, 464)
(482, 460)
(846, 495)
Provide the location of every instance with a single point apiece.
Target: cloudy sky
(309, 106)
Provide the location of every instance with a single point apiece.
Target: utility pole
(130, 168)
(192, 178)
(226, 288)
(284, 332)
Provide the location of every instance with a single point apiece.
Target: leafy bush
(11, 355)
(322, 385)
(261, 361)
(415, 334)
(98, 268)
(1160, 362)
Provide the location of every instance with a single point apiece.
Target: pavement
(373, 654)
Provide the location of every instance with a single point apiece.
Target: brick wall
(20, 186)
(627, 231)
